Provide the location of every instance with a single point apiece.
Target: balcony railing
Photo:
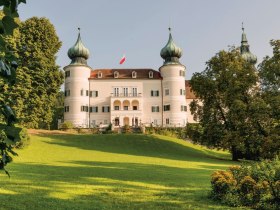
(123, 95)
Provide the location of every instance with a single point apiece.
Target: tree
(39, 79)
(269, 72)
(58, 110)
(233, 113)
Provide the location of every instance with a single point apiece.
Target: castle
(133, 97)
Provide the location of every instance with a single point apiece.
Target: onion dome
(78, 53)
(245, 51)
(171, 52)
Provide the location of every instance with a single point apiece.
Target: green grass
(110, 172)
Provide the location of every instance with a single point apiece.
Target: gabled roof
(125, 74)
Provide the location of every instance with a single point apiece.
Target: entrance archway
(125, 121)
(117, 121)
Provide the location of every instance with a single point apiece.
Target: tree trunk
(234, 153)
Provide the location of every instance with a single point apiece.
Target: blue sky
(110, 28)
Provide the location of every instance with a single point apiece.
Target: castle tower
(173, 85)
(76, 103)
(245, 51)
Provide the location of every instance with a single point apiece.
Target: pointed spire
(78, 53)
(244, 49)
(171, 53)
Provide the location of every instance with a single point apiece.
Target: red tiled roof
(189, 93)
(125, 74)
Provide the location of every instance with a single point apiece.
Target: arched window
(151, 74)
(134, 74)
(116, 74)
(99, 74)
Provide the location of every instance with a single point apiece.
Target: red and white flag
(122, 59)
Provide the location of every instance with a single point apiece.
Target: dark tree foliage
(8, 65)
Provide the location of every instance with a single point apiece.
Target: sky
(139, 29)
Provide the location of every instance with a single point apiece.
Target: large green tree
(38, 79)
(232, 111)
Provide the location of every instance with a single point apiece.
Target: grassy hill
(110, 172)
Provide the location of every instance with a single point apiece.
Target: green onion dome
(171, 52)
(78, 53)
(245, 51)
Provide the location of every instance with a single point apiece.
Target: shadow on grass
(106, 185)
(139, 145)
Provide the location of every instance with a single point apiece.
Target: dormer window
(151, 74)
(116, 74)
(99, 75)
(134, 74)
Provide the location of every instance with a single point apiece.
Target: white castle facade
(127, 96)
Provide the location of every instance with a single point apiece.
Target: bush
(255, 185)
(67, 125)
(178, 132)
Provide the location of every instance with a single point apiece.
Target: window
(151, 74)
(82, 92)
(117, 108)
(116, 74)
(93, 109)
(166, 91)
(155, 108)
(134, 108)
(99, 75)
(166, 107)
(183, 108)
(134, 74)
(125, 108)
(105, 121)
(67, 93)
(154, 93)
(93, 93)
(182, 92)
(125, 91)
(155, 121)
(116, 91)
(84, 108)
(134, 91)
(167, 121)
(66, 109)
(105, 108)
(93, 122)
(86, 92)
(67, 74)
(182, 73)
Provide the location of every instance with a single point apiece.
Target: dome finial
(171, 53)
(242, 27)
(78, 53)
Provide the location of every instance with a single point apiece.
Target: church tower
(76, 103)
(173, 85)
(245, 51)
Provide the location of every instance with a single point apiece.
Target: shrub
(66, 125)
(256, 185)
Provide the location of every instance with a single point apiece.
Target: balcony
(128, 95)
(126, 112)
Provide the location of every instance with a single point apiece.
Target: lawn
(68, 171)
